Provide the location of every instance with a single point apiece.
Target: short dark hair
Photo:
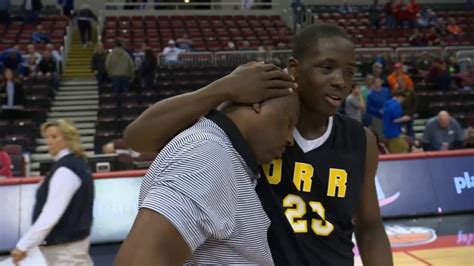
(399, 93)
(310, 35)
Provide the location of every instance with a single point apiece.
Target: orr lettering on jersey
(303, 178)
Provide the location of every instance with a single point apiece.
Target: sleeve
(427, 133)
(458, 131)
(197, 194)
(62, 187)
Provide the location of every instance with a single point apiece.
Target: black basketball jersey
(311, 198)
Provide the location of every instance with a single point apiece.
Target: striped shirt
(203, 182)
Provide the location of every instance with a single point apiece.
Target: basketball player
(323, 189)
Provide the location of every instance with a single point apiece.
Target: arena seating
(20, 33)
(209, 33)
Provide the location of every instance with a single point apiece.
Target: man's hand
(255, 82)
(17, 255)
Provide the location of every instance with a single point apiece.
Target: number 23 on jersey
(296, 207)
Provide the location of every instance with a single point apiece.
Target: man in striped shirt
(198, 201)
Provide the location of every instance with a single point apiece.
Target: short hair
(70, 134)
(309, 37)
(399, 93)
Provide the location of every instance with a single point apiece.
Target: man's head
(267, 127)
(443, 119)
(378, 84)
(171, 43)
(398, 68)
(39, 28)
(369, 80)
(399, 95)
(99, 48)
(50, 47)
(377, 69)
(323, 64)
(30, 48)
(356, 89)
(47, 55)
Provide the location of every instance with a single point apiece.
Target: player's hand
(17, 255)
(256, 81)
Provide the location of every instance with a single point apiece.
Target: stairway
(78, 101)
(79, 59)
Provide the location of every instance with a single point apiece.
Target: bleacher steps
(77, 97)
(75, 93)
(81, 87)
(71, 114)
(78, 83)
(74, 108)
(73, 103)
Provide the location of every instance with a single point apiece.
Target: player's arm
(153, 240)
(371, 238)
(249, 83)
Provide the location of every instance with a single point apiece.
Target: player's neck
(311, 126)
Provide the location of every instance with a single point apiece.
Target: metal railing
(67, 44)
(280, 57)
(188, 6)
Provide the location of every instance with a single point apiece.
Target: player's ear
(292, 67)
(257, 107)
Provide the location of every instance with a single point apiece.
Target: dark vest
(76, 222)
(312, 197)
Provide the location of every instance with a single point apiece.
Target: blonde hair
(70, 134)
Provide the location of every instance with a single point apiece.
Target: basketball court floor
(446, 241)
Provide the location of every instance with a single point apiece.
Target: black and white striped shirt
(203, 182)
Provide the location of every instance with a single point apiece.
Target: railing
(188, 6)
(67, 44)
(280, 57)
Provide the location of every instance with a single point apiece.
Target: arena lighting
(187, 1)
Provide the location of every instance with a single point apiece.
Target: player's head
(268, 126)
(323, 64)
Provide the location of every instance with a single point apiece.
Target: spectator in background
(465, 80)
(398, 74)
(365, 90)
(47, 69)
(417, 39)
(98, 65)
(172, 53)
(67, 6)
(422, 20)
(432, 37)
(5, 164)
(377, 72)
(408, 107)
(345, 8)
(85, 16)
(148, 69)
(245, 46)
(40, 35)
(392, 119)
(185, 43)
(375, 15)
(354, 104)
(56, 55)
(441, 27)
(375, 103)
(30, 71)
(423, 64)
(13, 90)
(230, 46)
(30, 51)
(12, 59)
(442, 132)
(439, 75)
(400, 10)
(31, 10)
(389, 15)
(469, 143)
(453, 28)
(453, 66)
(120, 68)
(5, 6)
(431, 16)
(413, 9)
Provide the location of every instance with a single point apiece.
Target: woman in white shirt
(62, 216)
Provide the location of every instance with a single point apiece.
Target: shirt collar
(236, 138)
(61, 154)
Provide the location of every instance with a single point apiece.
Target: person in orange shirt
(453, 28)
(393, 79)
